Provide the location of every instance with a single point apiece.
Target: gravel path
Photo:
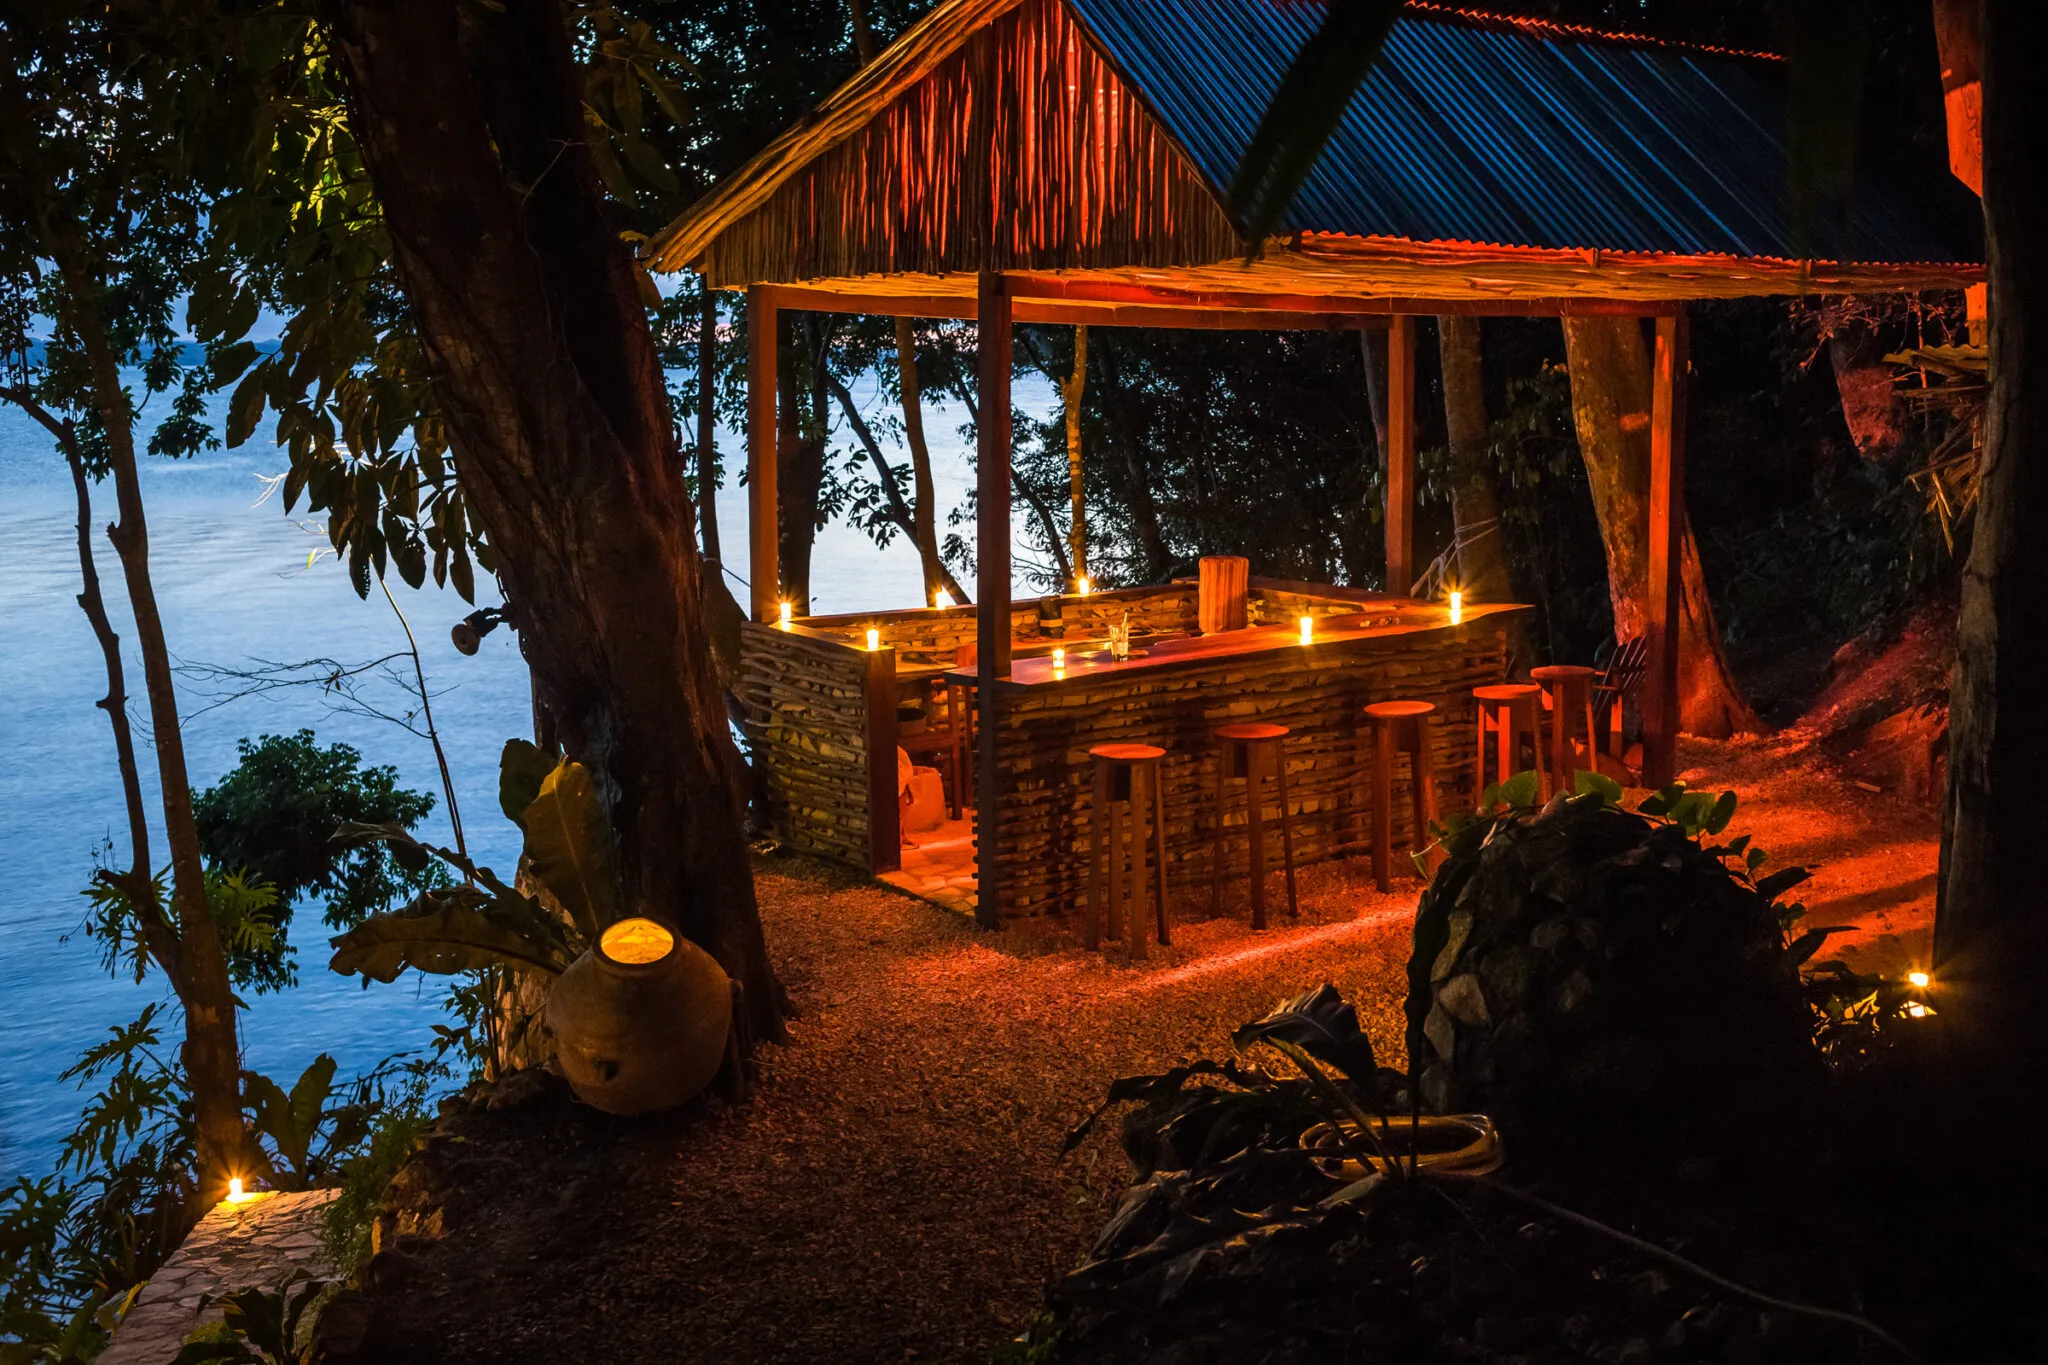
(892, 1192)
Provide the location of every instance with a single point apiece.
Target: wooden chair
(1250, 751)
(1127, 791)
(949, 735)
(1402, 725)
(1619, 683)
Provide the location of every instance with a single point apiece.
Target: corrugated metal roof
(1469, 131)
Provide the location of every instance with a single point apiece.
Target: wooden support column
(1666, 549)
(1400, 490)
(764, 573)
(992, 578)
(885, 812)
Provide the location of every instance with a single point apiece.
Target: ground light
(236, 1194)
(1919, 979)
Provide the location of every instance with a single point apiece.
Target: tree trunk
(1610, 377)
(1137, 476)
(471, 127)
(211, 1054)
(1070, 398)
(1482, 552)
(707, 424)
(1870, 399)
(924, 499)
(1990, 932)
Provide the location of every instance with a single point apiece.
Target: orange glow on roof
(1551, 28)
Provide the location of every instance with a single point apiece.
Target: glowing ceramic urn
(640, 1021)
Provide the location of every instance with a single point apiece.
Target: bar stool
(1251, 750)
(1508, 709)
(1127, 787)
(1570, 690)
(1403, 725)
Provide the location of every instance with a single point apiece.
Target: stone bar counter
(819, 703)
(1364, 648)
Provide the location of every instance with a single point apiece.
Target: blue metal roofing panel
(1474, 132)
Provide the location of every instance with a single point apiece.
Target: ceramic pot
(640, 1021)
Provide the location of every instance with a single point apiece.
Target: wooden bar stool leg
(1560, 743)
(1142, 778)
(1098, 851)
(1509, 737)
(1479, 755)
(1113, 928)
(1255, 832)
(1286, 828)
(1382, 804)
(1592, 732)
(1159, 853)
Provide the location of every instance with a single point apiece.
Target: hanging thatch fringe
(1022, 150)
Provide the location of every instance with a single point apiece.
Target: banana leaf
(444, 932)
(569, 847)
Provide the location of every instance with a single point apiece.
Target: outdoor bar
(1063, 162)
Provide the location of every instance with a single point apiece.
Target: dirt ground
(893, 1191)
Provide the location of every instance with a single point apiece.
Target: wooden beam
(1082, 289)
(764, 573)
(1666, 548)
(1400, 489)
(992, 565)
(1193, 317)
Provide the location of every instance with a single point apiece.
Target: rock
(1552, 934)
(1507, 974)
(1441, 1032)
(1572, 996)
(1465, 1000)
(1460, 923)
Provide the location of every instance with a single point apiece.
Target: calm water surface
(234, 584)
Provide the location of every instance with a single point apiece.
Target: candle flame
(941, 600)
(1059, 658)
(1457, 606)
(785, 616)
(1919, 979)
(1308, 629)
(1081, 585)
(874, 638)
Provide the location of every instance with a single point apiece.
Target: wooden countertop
(1398, 620)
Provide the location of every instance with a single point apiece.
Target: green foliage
(262, 1327)
(253, 928)
(367, 1170)
(485, 923)
(273, 815)
(292, 1124)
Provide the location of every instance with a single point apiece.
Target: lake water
(234, 584)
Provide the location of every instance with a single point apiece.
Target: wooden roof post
(1400, 489)
(1667, 548)
(764, 573)
(992, 582)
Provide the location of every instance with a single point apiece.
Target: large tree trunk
(1610, 375)
(199, 972)
(470, 123)
(1990, 931)
(1482, 551)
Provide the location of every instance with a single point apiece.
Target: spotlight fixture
(468, 633)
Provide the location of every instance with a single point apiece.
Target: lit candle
(1059, 657)
(874, 638)
(1081, 585)
(941, 600)
(1457, 606)
(1308, 629)
(785, 616)
(234, 1189)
